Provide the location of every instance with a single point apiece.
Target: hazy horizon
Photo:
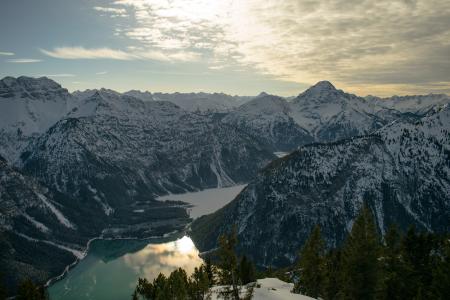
(381, 48)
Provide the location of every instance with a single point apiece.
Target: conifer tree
(310, 266)
(228, 262)
(416, 253)
(393, 267)
(161, 288)
(199, 284)
(332, 274)
(360, 259)
(210, 271)
(247, 271)
(177, 285)
(440, 288)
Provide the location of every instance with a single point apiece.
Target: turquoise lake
(112, 267)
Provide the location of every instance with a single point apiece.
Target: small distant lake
(111, 268)
(206, 201)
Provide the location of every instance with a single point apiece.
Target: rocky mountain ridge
(402, 172)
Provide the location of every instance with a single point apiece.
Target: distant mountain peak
(30, 82)
(262, 94)
(323, 86)
(323, 91)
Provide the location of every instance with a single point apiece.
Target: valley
(137, 167)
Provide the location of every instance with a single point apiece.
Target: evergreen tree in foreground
(228, 272)
(360, 266)
(247, 272)
(393, 267)
(332, 274)
(210, 271)
(440, 287)
(178, 286)
(199, 284)
(311, 263)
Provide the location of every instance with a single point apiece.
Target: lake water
(207, 201)
(112, 267)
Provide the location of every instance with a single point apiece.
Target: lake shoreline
(166, 237)
(70, 266)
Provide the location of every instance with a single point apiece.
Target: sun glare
(184, 245)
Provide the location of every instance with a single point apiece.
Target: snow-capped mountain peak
(323, 85)
(28, 107)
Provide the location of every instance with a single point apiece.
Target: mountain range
(401, 171)
(79, 165)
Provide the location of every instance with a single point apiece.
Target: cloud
(114, 12)
(137, 53)
(83, 53)
(357, 44)
(101, 73)
(6, 53)
(23, 60)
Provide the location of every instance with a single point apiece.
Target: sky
(233, 46)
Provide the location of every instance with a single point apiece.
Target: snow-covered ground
(281, 154)
(206, 201)
(270, 289)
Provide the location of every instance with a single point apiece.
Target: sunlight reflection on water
(112, 268)
(164, 258)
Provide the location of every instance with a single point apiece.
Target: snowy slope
(402, 172)
(202, 102)
(322, 113)
(34, 219)
(146, 96)
(268, 289)
(418, 104)
(28, 107)
(330, 114)
(118, 149)
(267, 118)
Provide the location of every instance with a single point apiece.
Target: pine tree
(160, 288)
(361, 272)
(393, 266)
(440, 287)
(144, 289)
(416, 252)
(228, 262)
(332, 274)
(199, 284)
(177, 285)
(310, 266)
(210, 271)
(247, 271)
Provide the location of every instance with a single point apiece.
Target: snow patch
(61, 218)
(267, 288)
(37, 224)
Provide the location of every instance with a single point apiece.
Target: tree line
(414, 265)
